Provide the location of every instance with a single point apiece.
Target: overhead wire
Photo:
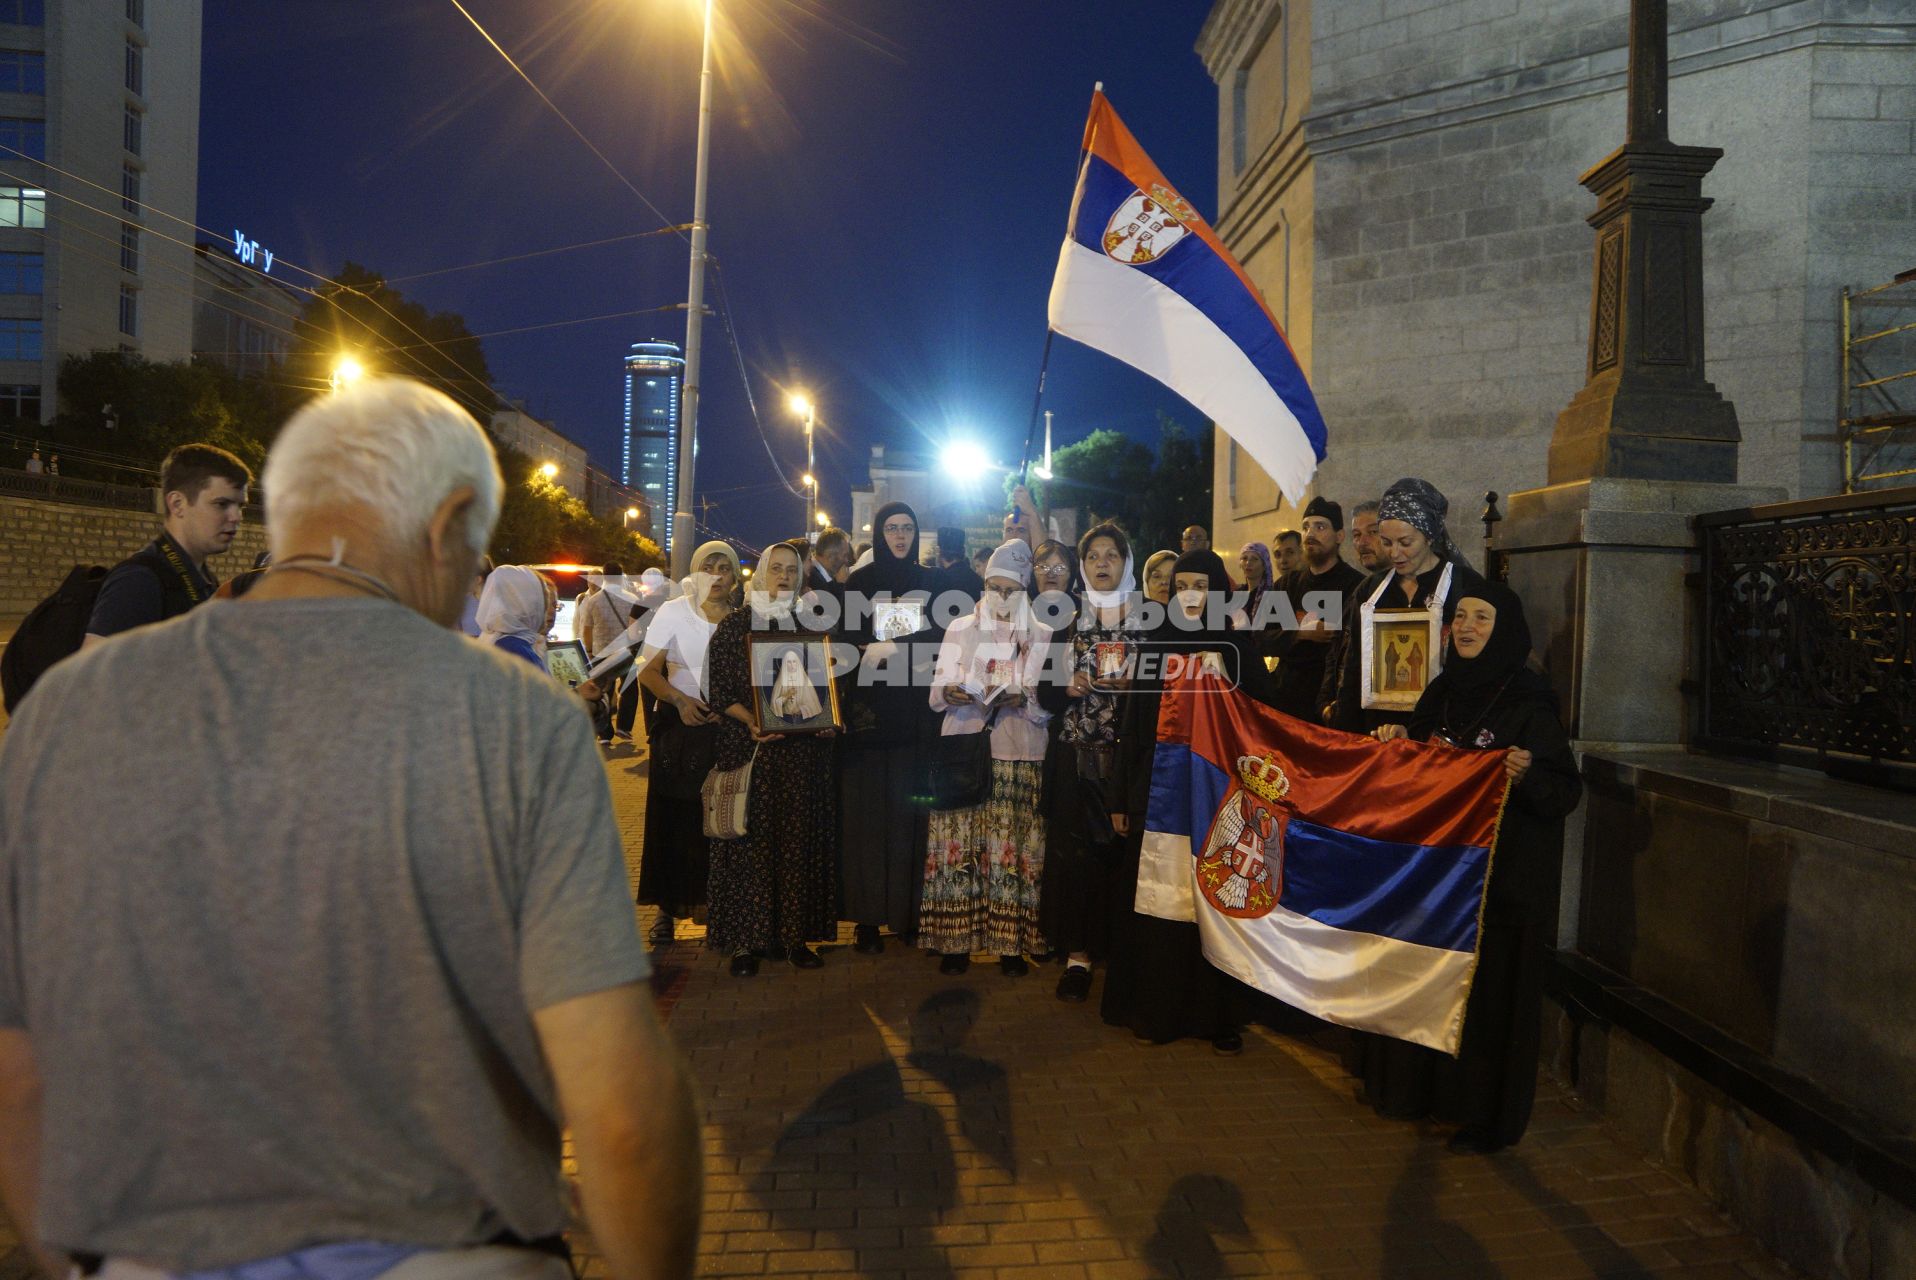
(554, 107)
(751, 401)
(536, 253)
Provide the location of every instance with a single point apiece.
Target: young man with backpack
(203, 489)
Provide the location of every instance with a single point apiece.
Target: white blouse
(1019, 732)
(682, 633)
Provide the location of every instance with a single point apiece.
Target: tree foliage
(113, 403)
(541, 523)
(1109, 476)
(360, 315)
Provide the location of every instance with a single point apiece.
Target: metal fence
(86, 493)
(1809, 633)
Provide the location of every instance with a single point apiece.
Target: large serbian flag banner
(1344, 876)
(1144, 279)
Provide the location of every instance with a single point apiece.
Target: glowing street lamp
(631, 514)
(824, 521)
(346, 370)
(550, 470)
(966, 460)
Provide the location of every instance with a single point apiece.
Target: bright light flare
(965, 459)
(631, 513)
(800, 404)
(346, 371)
(549, 470)
(824, 521)
(807, 480)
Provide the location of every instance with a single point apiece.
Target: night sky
(890, 181)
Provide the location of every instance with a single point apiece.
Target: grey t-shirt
(280, 883)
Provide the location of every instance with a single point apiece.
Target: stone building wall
(41, 541)
(1450, 260)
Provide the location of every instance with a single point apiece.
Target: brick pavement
(875, 1118)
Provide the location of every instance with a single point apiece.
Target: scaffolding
(1876, 399)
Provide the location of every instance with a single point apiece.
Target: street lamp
(801, 403)
(631, 514)
(694, 318)
(346, 370)
(824, 521)
(550, 470)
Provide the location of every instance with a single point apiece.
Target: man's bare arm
(20, 1144)
(624, 1094)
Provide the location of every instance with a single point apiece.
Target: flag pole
(1044, 361)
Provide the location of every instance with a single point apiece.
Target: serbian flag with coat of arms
(1144, 279)
(1344, 876)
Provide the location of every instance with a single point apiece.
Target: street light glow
(631, 513)
(346, 370)
(824, 521)
(807, 479)
(965, 459)
(801, 404)
(549, 470)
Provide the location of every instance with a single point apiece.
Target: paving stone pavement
(874, 1118)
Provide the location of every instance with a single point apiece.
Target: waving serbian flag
(1143, 278)
(1344, 876)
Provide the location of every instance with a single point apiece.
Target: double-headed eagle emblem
(1147, 224)
(1241, 871)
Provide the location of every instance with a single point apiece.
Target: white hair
(393, 448)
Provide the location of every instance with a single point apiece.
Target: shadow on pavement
(1197, 1208)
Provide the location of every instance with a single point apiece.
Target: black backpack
(53, 630)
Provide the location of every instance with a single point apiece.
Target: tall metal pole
(683, 538)
(811, 490)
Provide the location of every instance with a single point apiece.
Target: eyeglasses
(1055, 566)
(901, 528)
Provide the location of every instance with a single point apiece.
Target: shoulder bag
(725, 796)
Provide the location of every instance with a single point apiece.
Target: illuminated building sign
(249, 252)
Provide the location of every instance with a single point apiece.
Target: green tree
(540, 523)
(362, 316)
(120, 406)
(1109, 476)
(1180, 490)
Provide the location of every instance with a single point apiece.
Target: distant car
(572, 584)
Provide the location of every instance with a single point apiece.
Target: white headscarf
(513, 604)
(1011, 562)
(1127, 587)
(765, 606)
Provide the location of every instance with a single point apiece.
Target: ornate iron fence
(86, 493)
(1809, 633)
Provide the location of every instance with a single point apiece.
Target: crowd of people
(402, 954)
(1040, 861)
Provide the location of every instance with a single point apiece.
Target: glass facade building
(649, 460)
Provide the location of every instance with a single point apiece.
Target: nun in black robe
(1487, 703)
(883, 812)
(1157, 982)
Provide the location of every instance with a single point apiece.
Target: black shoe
(1228, 1045)
(744, 964)
(865, 940)
(1472, 1142)
(1013, 966)
(803, 957)
(663, 931)
(1075, 985)
(953, 963)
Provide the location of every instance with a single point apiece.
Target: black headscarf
(1463, 692)
(1207, 562)
(887, 572)
(1418, 504)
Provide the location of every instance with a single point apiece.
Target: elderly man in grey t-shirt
(316, 930)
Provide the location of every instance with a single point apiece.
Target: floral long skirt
(983, 868)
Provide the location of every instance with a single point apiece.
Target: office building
(649, 456)
(243, 319)
(516, 429)
(99, 121)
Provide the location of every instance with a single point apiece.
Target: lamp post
(631, 514)
(801, 403)
(694, 319)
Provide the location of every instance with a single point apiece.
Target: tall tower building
(649, 461)
(107, 94)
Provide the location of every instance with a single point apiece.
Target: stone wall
(41, 541)
(1449, 304)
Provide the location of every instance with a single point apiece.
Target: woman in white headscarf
(984, 864)
(774, 890)
(680, 733)
(512, 613)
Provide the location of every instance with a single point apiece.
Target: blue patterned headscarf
(1418, 504)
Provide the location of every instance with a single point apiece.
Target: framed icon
(792, 686)
(1400, 653)
(1110, 660)
(566, 660)
(896, 619)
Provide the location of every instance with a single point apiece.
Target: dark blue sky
(889, 188)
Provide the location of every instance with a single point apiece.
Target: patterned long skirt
(983, 869)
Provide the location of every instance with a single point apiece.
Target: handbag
(959, 769)
(725, 795)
